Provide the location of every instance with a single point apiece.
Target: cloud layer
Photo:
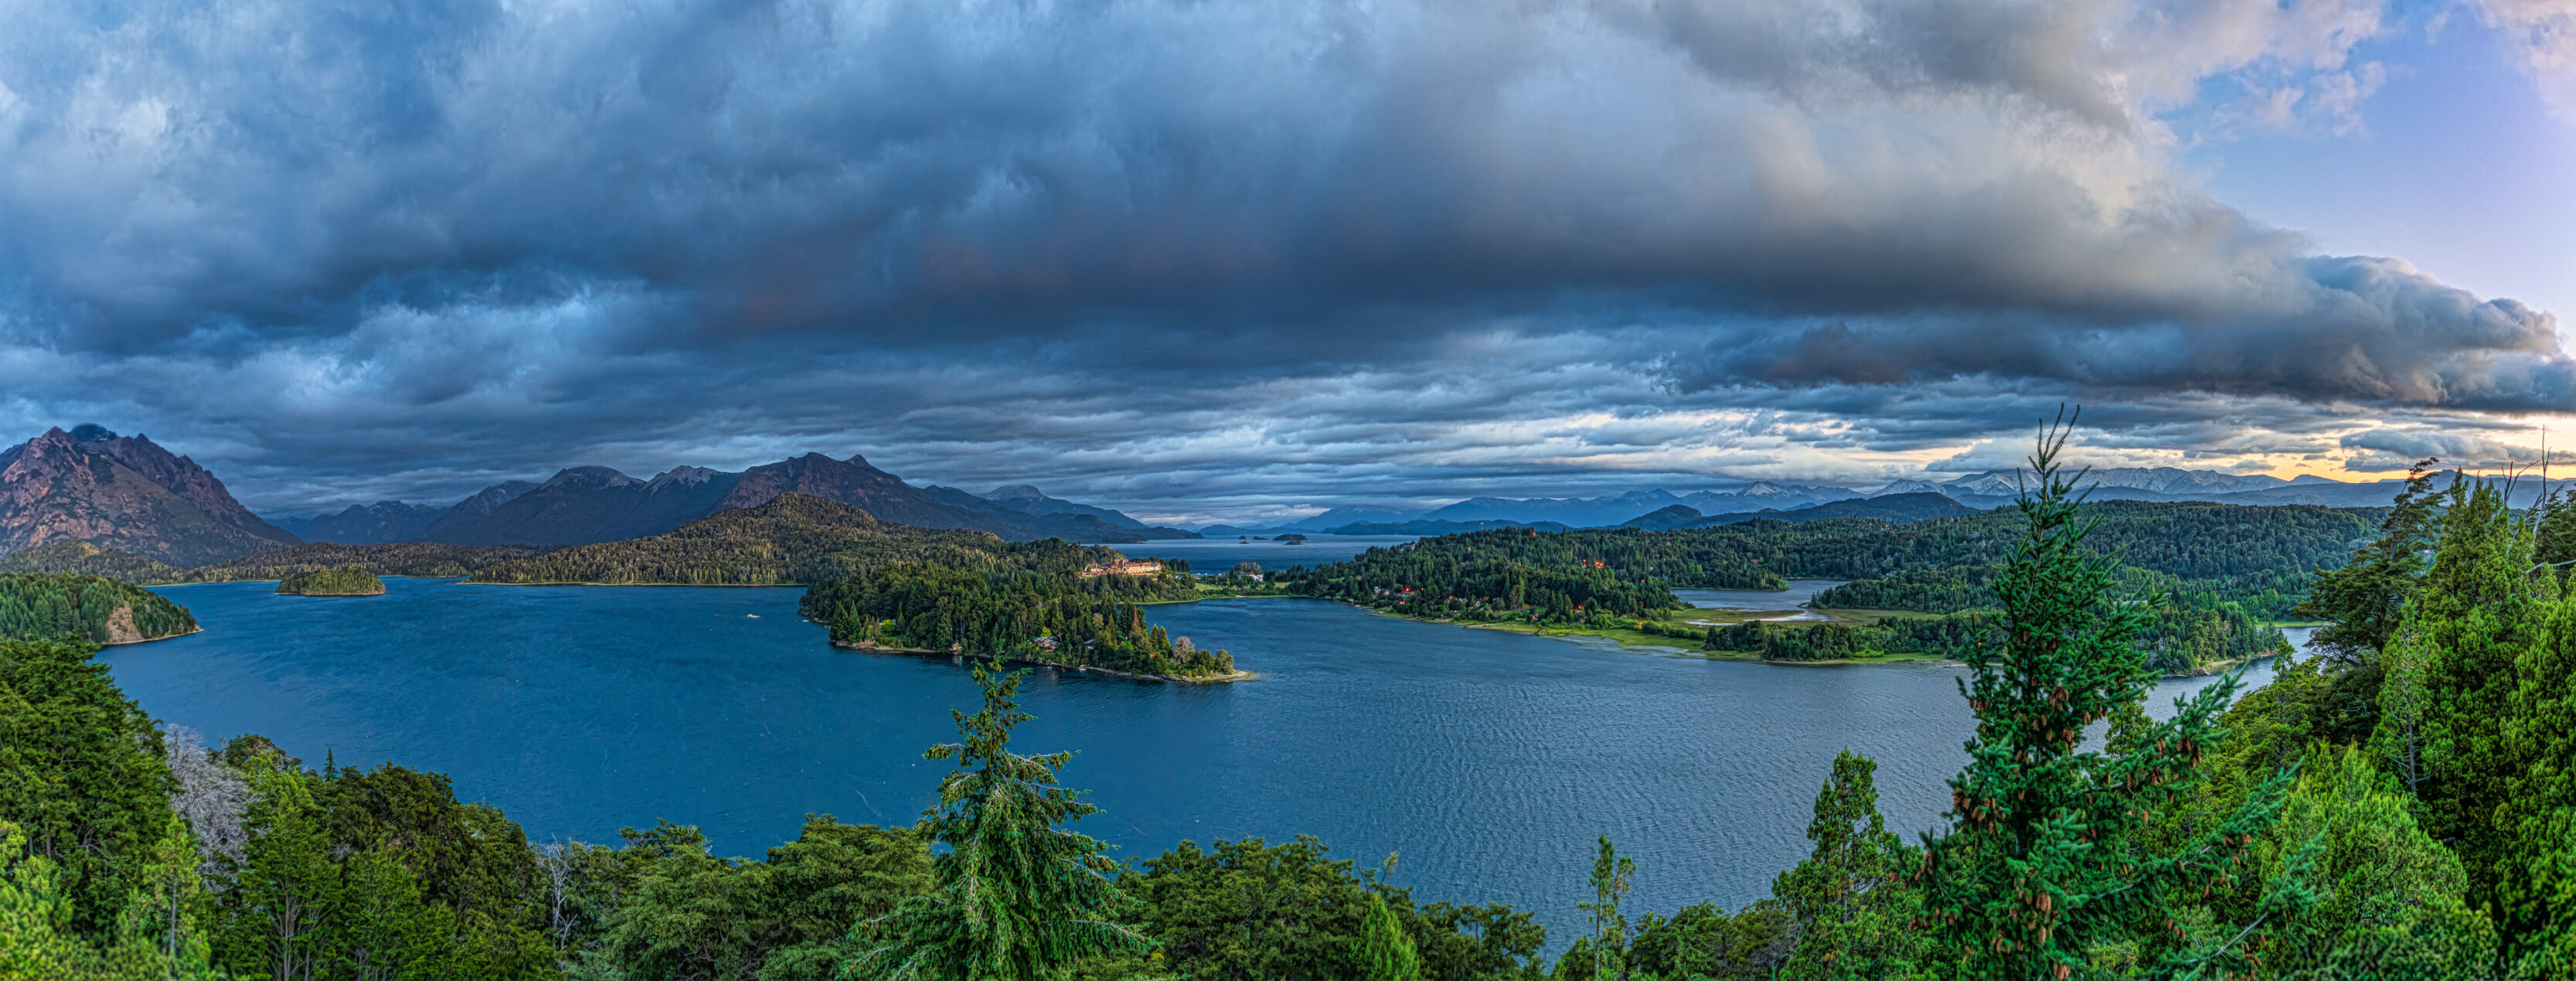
(399, 250)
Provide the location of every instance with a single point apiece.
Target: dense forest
(87, 608)
(417, 559)
(2260, 558)
(343, 581)
(1040, 615)
(1521, 574)
(86, 559)
(793, 538)
(2189, 634)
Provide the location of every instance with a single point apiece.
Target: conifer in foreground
(2045, 861)
(1014, 896)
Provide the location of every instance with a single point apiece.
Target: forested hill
(2262, 557)
(87, 608)
(420, 559)
(793, 538)
(88, 559)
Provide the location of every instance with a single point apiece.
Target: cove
(1489, 760)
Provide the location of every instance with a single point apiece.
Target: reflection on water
(1489, 759)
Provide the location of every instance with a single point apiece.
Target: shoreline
(149, 640)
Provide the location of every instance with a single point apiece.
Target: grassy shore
(1632, 637)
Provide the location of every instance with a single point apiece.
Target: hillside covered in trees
(2259, 557)
(415, 559)
(2354, 819)
(792, 538)
(87, 608)
(343, 581)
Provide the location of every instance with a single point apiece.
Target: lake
(1489, 760)
(1792, 600)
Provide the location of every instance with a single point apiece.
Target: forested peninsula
(2334, 824)
(87, 608)
(2212, 575)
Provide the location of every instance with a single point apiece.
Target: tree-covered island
(1036, 612)
(343, 581)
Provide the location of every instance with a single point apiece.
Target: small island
(343, 581)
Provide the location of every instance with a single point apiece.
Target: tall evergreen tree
(2537, 820)
(1015, 897)
(2367, 597)
(2474, 615)
(1851, 899)
(1386, 954)
(2044, 859)
(1611, 875)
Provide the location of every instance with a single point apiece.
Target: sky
(1234, 260)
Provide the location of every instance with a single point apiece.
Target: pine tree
(1849, 899)
(2473, 615)
(1611, 874)
(1386, 954)
(286, 885)
(40, 939)
(2366, 598)
(2044, 859)
(2537, 820)
(2399, 737)
(1014, 897)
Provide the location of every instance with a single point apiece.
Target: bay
(1487, 760)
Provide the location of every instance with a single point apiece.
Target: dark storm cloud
(1277, 247)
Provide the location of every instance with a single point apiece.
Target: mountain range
(585, 505)
(126, 493)
(1902, 508)
(1977, 491)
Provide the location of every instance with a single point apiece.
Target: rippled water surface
(1490, 760)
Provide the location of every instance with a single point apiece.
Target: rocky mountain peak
(682, 476)
(587, 477)
(90, 484)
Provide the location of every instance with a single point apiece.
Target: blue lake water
(1489, 760)
(1799, 594)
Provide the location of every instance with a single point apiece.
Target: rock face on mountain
(123, 492)
(593, 504)
(466, 513)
